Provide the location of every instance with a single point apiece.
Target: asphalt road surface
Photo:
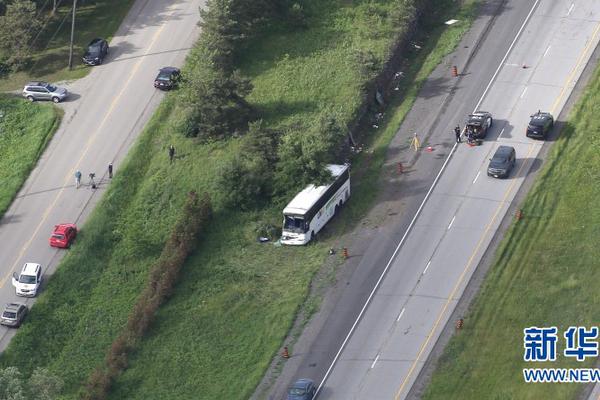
(104, 114)
(434, 262)
(520, 56)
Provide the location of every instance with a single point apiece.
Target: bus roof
(309, 196)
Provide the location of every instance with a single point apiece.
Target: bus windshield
(294, 224)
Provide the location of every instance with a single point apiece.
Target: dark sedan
(167, 78)
(502, 162)
(303, 389)
(96, 51)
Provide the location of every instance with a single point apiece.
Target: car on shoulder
(502, 162)
(63, 235)
(540, 125)
(38, 90)
(13, 314)
(28, 281)
(478, 124)
(167, 78)
(95, 52)
(303, 389)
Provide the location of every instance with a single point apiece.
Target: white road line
(512, 65)
(546, 52)
(501, 132)
(418, 212)
(478, 173)
(570, 9)
(375, 362)
(401, 313)
(524, 91)
(427, 267)
(451, 222)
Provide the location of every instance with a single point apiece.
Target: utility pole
(72, 35)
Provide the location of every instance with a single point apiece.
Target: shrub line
(162, 279)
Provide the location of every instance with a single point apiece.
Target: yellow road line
(574, 70)
(89, 143)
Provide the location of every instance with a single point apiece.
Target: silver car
(13, 314)
(44, 91)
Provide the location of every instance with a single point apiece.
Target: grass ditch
(543, 275)
(50, 51)
(236, 298)
(25, 129)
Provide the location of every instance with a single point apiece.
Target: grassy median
(25, 129)
(545, 274)
(237, 298)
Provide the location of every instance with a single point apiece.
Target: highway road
(408, 276)
(434, 262)
(103, 116)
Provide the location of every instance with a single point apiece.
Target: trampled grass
(50, 51)
(545, 274)
(236, 299)
(25, 129)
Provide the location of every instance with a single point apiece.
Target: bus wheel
(336, 210)
(312, 236)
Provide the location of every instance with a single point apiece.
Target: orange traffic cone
(459, 323)
(285, 353)
(345, 252)
(400, 168)
(519, 215)
(454, 71)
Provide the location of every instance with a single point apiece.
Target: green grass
(236, 299)
(25, 128)
(50, 52)
(545, 274)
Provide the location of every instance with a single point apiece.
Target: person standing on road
(77, 179)
(171, 153)
(457, 133)
(110, 169)
(92, 183)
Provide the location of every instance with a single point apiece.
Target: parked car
(167, 78)
(29, 280)
(44, 91)
(95, 52)
(63, 235)
(303, 389)
(502, 162)
(540, 125)
(13, 314)
(478, 124)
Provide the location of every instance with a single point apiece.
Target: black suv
(502, 162)
(478, 124)
(540, 125)
(96, 51)
(167, 78)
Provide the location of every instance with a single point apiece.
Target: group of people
(469, 134)
(91, 175)
(110, 171)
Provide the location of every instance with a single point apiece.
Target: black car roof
(302, 383)
(539, 118)
(169, 69)
(96, 40)
(504, 150)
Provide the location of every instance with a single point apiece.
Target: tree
(17, 27)
(11, 385)
(246, 181)
(303, 154)
(42, 385)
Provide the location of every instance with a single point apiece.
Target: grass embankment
(545, 274)
(50, 51)
(236, 298)
(25, 129)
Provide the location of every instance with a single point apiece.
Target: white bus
(313, 207)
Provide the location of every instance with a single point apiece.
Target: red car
(63, 235)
